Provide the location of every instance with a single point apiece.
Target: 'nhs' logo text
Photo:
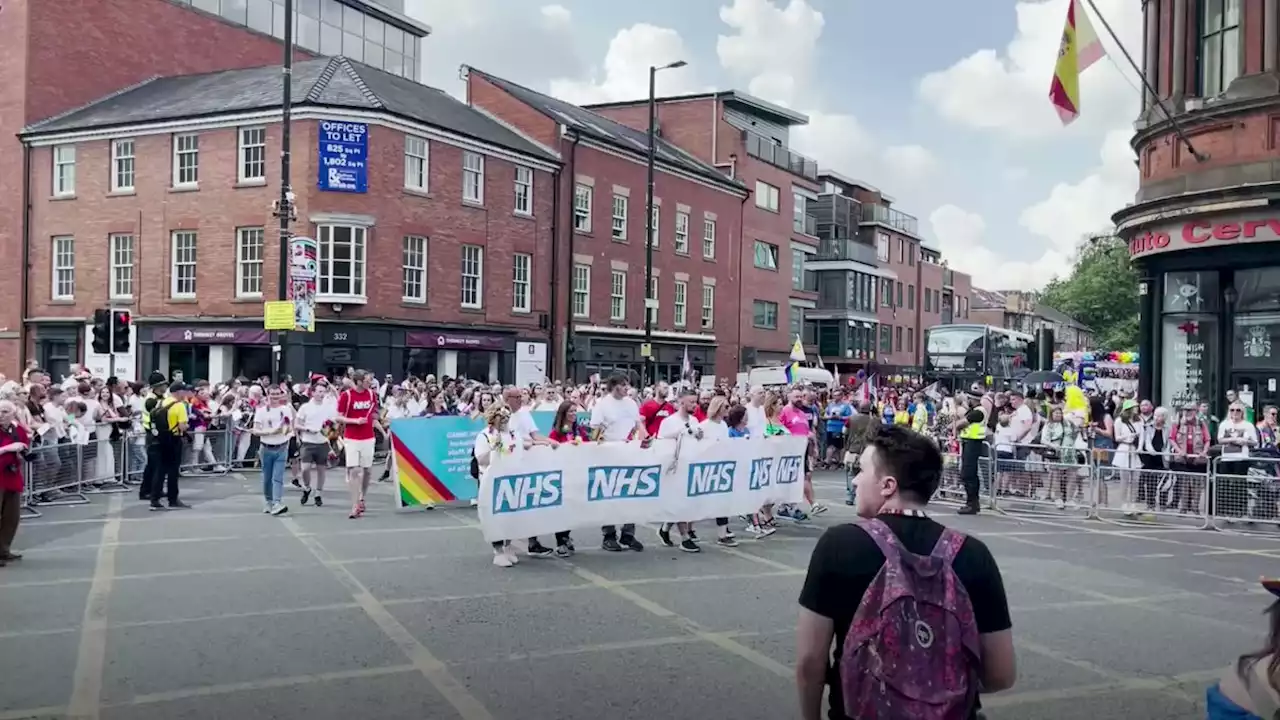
(515, 493)
(775, 471)
(620, 483)
(709, 478)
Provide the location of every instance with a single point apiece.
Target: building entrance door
(1263, 384)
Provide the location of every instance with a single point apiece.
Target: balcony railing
(846, 249)
(895, 219)
(771, 152)
(808, 225)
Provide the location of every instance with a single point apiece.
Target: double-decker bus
(972, 352)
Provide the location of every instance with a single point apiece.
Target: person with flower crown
(498, 440)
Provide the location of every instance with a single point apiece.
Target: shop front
(475, 356)
(210, 352)
(1210, 307)
(603, 354)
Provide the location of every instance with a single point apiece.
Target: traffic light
(121, 325)
(102, 331)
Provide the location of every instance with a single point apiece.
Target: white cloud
(910, 162)
(556, 16)
(961, 238)
(625, 74)
(772, 46)
(1073, 210)
(1008, 91)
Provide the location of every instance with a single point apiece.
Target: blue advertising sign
(344, 156)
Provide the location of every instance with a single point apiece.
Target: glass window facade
(1189, 332)
(328, 27)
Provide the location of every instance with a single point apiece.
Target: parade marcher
(358, 412)
(310, 422)
(615, 417)
(273, 424)
(14, 443)
(678, 426)
(497, 440)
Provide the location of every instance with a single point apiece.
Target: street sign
(646, 350)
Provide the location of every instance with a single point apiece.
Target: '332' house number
(339, 337)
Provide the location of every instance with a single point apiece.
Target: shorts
(1007, 462)
(835, 440)
(359, 453)
(315, 453)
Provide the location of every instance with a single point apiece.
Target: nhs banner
(544, 490)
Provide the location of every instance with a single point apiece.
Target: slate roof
(987, 299)
(995, 300)
(325, 83)
(609, 132)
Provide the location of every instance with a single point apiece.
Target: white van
(777, 375)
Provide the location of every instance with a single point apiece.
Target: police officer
(155, 392)
(169, 426)
(972, 431)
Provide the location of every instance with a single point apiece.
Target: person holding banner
(714, 427)
(677, 426)
(615, 417)
(499, 439)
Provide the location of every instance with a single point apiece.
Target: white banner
(545, 490)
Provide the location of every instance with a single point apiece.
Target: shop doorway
(1263, 384)
(190, 360)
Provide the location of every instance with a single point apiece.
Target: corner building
(597, 306)
(1203, 231)
(434, 259)
(120, 43)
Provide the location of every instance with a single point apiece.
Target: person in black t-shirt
(900, 471)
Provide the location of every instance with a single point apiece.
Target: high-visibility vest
(978, 430)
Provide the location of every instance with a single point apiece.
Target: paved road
(222, 612)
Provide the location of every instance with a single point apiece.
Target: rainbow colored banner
(432, 458)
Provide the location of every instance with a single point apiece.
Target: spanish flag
(1080, 48)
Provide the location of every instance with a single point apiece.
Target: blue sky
(940, 104)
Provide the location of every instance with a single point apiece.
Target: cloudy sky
(943, 105)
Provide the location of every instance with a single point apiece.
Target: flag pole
(1164, 107)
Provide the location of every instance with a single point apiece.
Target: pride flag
(790, 372)
(1080, 48)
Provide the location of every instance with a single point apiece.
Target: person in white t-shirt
(716, 428)
(615, 417)
(681, 425)
(273, 424)
(1237, 436)
(498, 439)
(312, 417)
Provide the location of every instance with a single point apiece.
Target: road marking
(1148, 536)
(227, 538)
(423, 660)
(86, 692)
(268, 684)
(1164, 684)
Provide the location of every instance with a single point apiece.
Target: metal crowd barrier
(951, 488)
(1246, 491)
(1041, 479)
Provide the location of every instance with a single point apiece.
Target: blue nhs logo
(709, 478)
(517, 493)
(622, 483)
(776, 471)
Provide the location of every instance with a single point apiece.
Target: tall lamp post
(650, 229)
(284, 209)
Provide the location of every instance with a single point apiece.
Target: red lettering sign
(1198, 232)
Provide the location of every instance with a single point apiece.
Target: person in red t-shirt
(358, 413)
(13, 442)
(656, 409)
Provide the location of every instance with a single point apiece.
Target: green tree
(1101, 291)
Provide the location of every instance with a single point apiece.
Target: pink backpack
(912, 650)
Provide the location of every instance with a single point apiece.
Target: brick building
(1024, 312)
(159, 198)
(43, 75)
(1203, 231)
(598, 305)
(748, 139)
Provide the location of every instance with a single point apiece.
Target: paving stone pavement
(222, 612)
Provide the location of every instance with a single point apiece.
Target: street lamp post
(284, 205)
(650, 229)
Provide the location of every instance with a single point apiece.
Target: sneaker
(499, 558)
(155, 506)
(693, 535)
(475, 503)
(611, 544)
(632, 543)
(179, 505)
(219, 468)
(817, 509)
(798, 516)
(279, 509)
(767, 530)
(356, 512)
(850, 502)
(510, 552)
(266, 508)
(564, 551)
(296, 483)
(664, 535)
(319, 501)
(539, 550)
(689, 546)
(784, 511)
(967, 510)
(306, 495)
(361, 506)
(727, 541)
(568, 542)
(1061, 504)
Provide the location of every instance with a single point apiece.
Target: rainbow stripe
(419, 487)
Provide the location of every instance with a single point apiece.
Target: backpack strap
(948, 546)
(884, 539)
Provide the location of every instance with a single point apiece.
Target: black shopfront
(605, 355)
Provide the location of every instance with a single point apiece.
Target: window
(680, 303)
(1219, 45)
(413, 264)
(911, 342)
(882, 247)
(253, 154)
(249, 244)
(416, 164)
(902, 250)
(928, 300)
(581, 290)
(897, 332)
(682, 233)
(911, 297)
(766, 196)
(521, 267)
(121, 267)
(524, 190)
(797, 269)
(765, 314)
(708, 306)
(899, 304)
(122, 159)
(64, 170)
(886, 338)
(618, 296)
(183, 270)
(766, 255)
(911, 253)
(655, 225)
(795, 321)
(186, 160)
(886, 294)
(709, 239)
(473, 177)
(582, 208)
(472, 276)
(64, 268)
(342, 260)
(799, 212)
(653, 295)
(619, 231)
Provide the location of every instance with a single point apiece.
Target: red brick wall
(13, 73)
(218, 208)
(691, 124)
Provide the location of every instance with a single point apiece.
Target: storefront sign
(454, 341)
(1206, 232)
(344, 157)
(210, 336)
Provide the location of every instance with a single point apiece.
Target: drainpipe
(555, 266)
(26, 256)
(742, 254)
(568, 325)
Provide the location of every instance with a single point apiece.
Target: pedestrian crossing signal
(102, 331)
(121, 327)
